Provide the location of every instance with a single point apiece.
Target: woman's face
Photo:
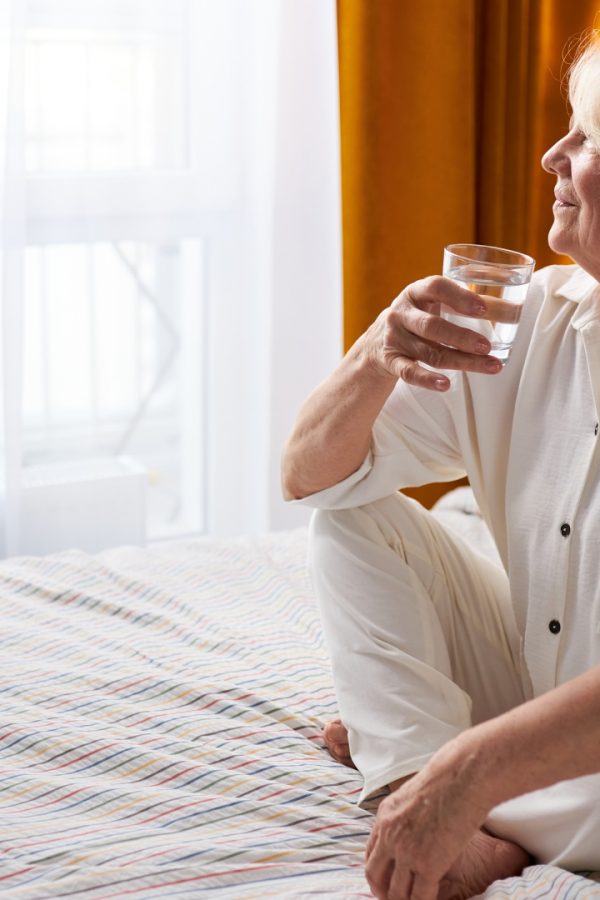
(576, 229)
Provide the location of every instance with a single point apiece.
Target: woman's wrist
(476, 758)
(363, 355)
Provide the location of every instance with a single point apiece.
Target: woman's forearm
(332, 433)
(552, 738)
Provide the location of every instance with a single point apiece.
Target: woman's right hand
(411, 331)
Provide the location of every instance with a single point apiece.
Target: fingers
(502, 310)
(378, 873)
(395, 883)
(371, 842)
(413, 373)
(430, 293)
(411, 336)
(441, 357)
(390, 882)
(423, 888)
(401, 885)
(392, 868)
(416, 334)
(435, 330)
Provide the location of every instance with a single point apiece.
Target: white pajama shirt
(528, 440)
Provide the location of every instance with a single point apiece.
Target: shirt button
(565, 529)
(554, 626)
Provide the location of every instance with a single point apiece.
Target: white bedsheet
(160, 717)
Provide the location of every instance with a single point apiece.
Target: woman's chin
(559, 242)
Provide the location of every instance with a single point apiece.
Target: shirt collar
(578, 286)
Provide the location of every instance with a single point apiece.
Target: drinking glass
(502, 278)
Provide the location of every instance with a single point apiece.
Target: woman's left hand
(423, 826)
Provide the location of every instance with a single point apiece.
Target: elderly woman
(471, 690)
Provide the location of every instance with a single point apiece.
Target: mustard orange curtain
(446, 108)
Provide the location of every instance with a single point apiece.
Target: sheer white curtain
(170, 249)
(289, 330)
(12, 237)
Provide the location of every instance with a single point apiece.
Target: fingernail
(440, 384)
(493, 365)
(479, 309)
(483, 347)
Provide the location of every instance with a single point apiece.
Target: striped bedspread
(160, 719)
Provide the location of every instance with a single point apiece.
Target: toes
(335, 733)
(510, 857)
(340, 750)
(450, 890)
(484, 860)
(341, 754)
(333, 725)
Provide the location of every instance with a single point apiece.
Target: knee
(335, 539)
(335, 525)
(381, 522)
(394, 508)
(325, 532)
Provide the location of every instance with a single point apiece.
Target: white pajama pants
(424, 644)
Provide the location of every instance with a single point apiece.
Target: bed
(161, 714)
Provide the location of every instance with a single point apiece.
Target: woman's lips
(562, 200)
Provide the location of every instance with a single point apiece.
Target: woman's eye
(584, 139)
(589, 144)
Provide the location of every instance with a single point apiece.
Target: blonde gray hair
(584, 86)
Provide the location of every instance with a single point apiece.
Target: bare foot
(335, 736)
(485, 859)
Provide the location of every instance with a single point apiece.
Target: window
(133, 200)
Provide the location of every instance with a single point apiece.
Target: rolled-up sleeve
(413, 442)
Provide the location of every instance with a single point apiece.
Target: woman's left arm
(549, 739)
(422, 828)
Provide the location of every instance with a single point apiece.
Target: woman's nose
(555, 159)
